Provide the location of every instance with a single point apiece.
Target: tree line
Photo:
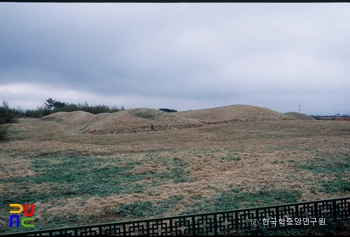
(53, 106)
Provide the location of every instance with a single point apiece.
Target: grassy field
(79, 178)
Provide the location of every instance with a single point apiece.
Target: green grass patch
(148, 208)
(68, 219)
(334, 165)
(236, 198)
(68, 177)
(164, 206)
(137, 209)
(336, 186)
(178, 173)
(232, 157)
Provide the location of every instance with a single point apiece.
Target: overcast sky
(177, 55)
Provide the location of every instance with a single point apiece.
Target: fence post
(215, 225)
(296, 211)
(277, 216)
(171, 226)
(335, 210)
(147, 224)
(316, 210)
(257, 218)
(193, 226)
(236, 220)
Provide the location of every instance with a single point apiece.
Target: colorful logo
(19, 209)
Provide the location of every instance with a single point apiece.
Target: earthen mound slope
(299, 116)
(75, 119)
(143, 119)
(139, 120)
(235, 113)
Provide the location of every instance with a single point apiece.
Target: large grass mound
(143, 119)
(299, 116)
(138, 120)
(235, 113)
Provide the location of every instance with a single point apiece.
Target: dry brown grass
(299, 116)
(76, 118)
(236, 113)
(260, 151)
(142, 119)
(138, 120)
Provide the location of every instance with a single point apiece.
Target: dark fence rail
(225, 222)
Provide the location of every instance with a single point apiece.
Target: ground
(76, 176)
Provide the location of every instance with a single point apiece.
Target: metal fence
(224, 222)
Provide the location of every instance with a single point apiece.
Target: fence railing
(214, 223)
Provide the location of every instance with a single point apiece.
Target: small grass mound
(75, 119)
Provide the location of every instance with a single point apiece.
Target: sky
(183, 56)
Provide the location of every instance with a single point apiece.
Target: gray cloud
(181, 55)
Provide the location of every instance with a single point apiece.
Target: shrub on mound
(3, 132)
(7, 115)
